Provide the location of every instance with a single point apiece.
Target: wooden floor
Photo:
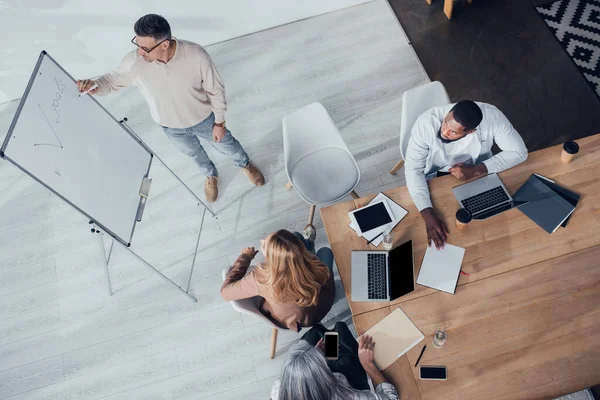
(62, 336)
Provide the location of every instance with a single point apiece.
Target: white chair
(317, 161)
(415, 102)
(250, 307)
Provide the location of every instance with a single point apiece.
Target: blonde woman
(295, 286)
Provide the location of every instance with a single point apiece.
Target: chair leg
(354, 195)
(289, 185)
(273, 342)
(311, 214)
(448, 7)
(396, 167)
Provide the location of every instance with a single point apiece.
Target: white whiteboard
(74, 147)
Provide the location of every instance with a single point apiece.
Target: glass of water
(388, 241)
(439, 338)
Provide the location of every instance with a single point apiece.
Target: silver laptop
(382, 275)
(485, 197)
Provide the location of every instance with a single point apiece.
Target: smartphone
(332, 346)
(432, 372)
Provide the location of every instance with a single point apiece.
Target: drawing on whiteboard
(56, 171)
(56, 102)
(59, 145)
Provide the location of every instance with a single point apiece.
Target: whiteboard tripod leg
(158, 272)
(106, 261)
(195, 251)
(124, 123)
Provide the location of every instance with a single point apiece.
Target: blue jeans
(324, 254)
(186, 140)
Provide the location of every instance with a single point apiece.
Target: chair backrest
(415, 102)
(248, 306)
(306, 130)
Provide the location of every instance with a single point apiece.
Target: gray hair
(305, 375)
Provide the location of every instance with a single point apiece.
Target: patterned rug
(576, 25)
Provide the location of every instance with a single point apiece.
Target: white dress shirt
(426, 153)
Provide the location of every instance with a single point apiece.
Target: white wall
(89, 37)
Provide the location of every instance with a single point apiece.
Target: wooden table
(526, 323)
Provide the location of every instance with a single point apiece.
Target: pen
(89, 90)
(370, 241)
(420, 355)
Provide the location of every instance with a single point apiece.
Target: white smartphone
(433, 372)
(332, 346)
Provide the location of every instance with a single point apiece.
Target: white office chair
(414, 102)
(317, 161)
(250, 307)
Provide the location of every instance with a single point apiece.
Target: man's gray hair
(305, 375)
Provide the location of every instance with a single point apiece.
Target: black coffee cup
(571, 147)
(463, 217)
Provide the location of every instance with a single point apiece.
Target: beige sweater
(241, 285)
(180, 93)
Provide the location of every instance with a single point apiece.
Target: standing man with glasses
(184, 92)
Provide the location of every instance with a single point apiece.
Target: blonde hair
(291, 271)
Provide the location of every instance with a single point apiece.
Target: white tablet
(374, 216)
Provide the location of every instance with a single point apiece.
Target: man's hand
(436, 229)
(85, 84)
(250, 252)
(218, 133)
(464, 172)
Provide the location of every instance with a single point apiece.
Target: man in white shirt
(457, 139)
(185, 94)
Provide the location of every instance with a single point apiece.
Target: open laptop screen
(402, 279)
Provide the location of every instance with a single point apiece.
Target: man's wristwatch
(220, 124)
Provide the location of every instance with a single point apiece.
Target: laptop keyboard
(494, 211)
(376, 267)
(485, 199)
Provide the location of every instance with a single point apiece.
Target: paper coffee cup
(463, 217)
(570, 148)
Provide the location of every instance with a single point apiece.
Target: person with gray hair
(305, 375)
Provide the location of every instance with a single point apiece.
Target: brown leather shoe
(254, 174)
(210, 188)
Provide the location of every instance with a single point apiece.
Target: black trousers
(347, 363)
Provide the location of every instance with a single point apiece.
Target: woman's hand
(365, 351)
(321, 345)
(250, 252)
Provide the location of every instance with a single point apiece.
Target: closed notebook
(546, 207)
(565, 193)
(393, 336)
(440, 268)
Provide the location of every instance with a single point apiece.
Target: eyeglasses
(145, 49)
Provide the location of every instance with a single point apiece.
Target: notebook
(440, 268)
(397, 211)
(393, 336)
(550, 205)
(566, 194)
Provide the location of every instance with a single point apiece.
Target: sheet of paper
(440, 268)
(394, 335)
(397, 211)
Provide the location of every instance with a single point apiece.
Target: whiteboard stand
(52, 140)
(95, 229)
